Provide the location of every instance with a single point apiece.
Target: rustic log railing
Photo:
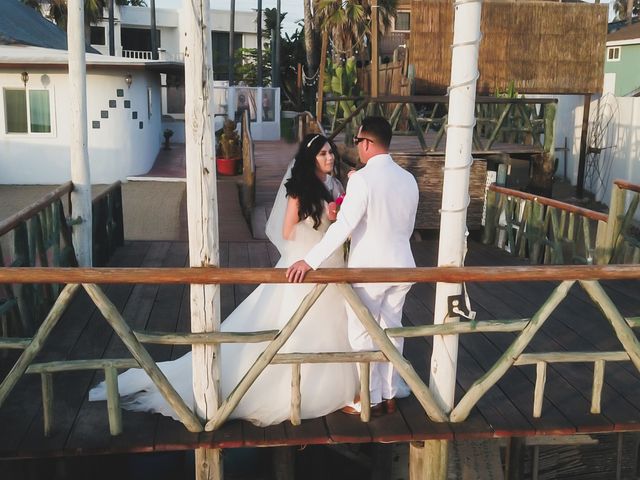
(37, 235)
(40, 236)
(552, 232)
(623, 239)
(586, 276)
(108, 224)
(520, 121)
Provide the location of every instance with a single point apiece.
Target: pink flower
(340, 199)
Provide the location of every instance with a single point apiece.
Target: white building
(123, 110)
(132, 39)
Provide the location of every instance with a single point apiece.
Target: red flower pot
(227, 166)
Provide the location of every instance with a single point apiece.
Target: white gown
(324, 387)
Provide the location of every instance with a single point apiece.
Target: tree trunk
(309, 39)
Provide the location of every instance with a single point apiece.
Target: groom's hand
(297, 271)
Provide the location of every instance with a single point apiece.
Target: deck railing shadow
(588, 277)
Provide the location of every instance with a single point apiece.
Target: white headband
(311, 141)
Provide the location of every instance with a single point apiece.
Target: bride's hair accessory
(312, 140)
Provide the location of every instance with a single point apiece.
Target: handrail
(245, 276)
(585, 212)
(114, 186)
(442, 99)
(11, 222)
(632, 187)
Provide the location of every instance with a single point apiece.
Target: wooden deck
(81, 427)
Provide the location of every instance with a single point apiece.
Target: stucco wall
(119, 148)
(614, 127)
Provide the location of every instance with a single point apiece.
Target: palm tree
(92, 12)
(349, 22)
(620, 7)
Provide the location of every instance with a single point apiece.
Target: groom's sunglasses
(357, 140)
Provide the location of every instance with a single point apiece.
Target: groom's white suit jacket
(379, 212)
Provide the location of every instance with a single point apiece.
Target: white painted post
(79, 153)
(455, 199)
(455, 191)
(202, 211)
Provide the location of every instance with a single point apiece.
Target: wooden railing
(623, 238)
(586, 276)
(40, 236)
(37, 235)
(521, 121)
(552, 232)
(108, 224)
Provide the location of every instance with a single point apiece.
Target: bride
(302, 212)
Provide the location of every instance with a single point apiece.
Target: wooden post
(455, 197)
(374, 48)
(202, 212)
(583, 146)
(614, 224)
(79, 153)
(428, 460)
(323, 63)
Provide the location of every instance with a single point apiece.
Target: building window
(220, 52)
(613, 54)
(27, 111)
(402, 22)
(97, 36)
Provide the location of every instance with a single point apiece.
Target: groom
(378, 212)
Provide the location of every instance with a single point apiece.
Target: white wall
(119, 148)
(614, 126)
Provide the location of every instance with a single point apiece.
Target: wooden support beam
(404, 368)
(428, 460)
(46, 381)
(538, 396)
(113, 401)
(264, 360)
(113, 317)
(295, 394)
(36, 344)
(598, 382)
(477, 390)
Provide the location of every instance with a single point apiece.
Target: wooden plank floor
(81, 427)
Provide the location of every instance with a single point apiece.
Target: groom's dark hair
(378, 128)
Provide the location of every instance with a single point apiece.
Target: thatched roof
(540, 47)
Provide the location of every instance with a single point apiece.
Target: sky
(293, 8)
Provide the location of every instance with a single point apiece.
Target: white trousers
(385, 304)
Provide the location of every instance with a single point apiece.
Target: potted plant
(168, 133)
(228, 149)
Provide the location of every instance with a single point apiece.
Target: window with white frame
(613, 54)
(402, 22)
(27, 111)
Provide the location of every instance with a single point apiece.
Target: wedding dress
(324, 387)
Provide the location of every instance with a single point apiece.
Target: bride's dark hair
(304, 184)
